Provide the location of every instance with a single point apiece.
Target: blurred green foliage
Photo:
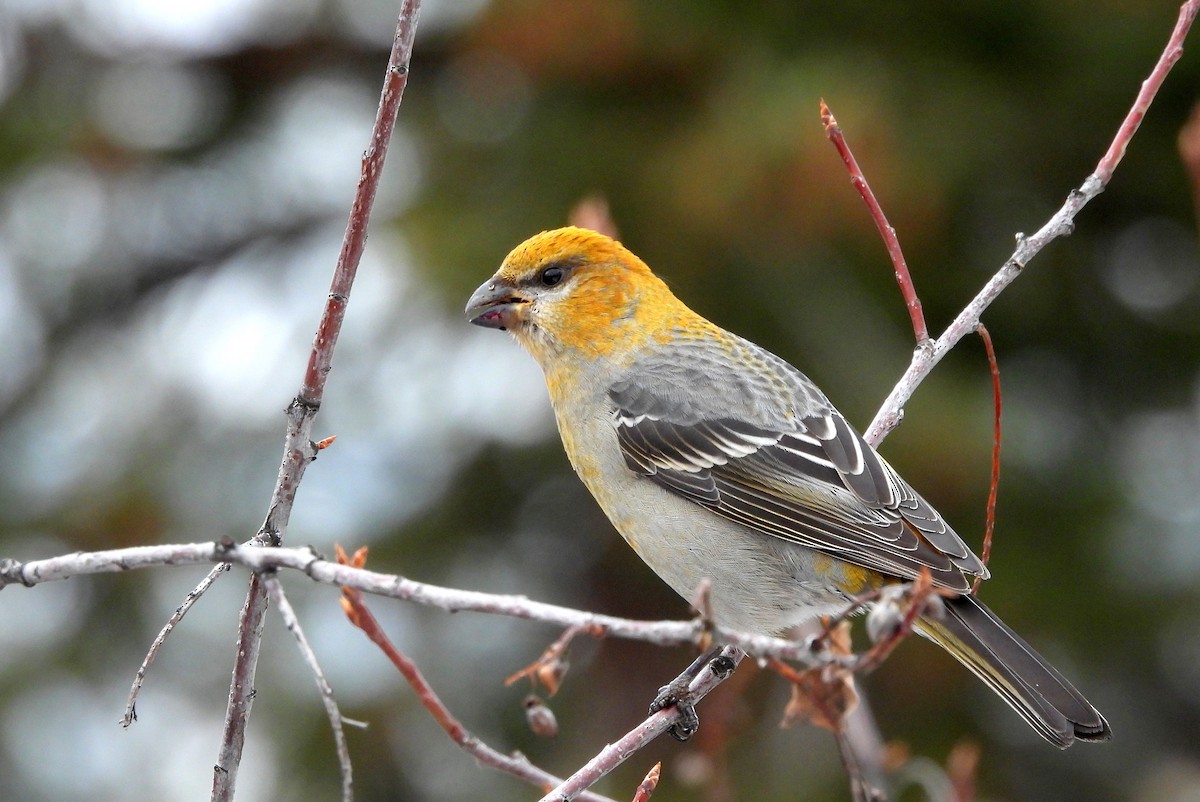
(172, 186)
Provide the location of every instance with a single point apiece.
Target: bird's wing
(785, 464)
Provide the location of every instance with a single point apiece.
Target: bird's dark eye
(552, 275)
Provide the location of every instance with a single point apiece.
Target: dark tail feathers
(1010, 667)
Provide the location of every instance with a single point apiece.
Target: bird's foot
(678, 693)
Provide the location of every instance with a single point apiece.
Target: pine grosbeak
(717, 460)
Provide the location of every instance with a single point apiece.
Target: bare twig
(517, 765)
(551, 665)
(852, 608)
(661, 633)
(299, 449)
(1171, 54)
(928, 354)
(241, 691)
(277, 596)
(994, 485)
(655, 725)
(907, 289)
(140, 677)
(1060, 225)
(821, 696)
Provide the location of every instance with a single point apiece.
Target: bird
(722, 465)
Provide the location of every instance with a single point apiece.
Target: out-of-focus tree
(173, 185)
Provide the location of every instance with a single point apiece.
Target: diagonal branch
(517, 765)
(886, 230)
(656, 724)
(139, 678)
(1060, 225)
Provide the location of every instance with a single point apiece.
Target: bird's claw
(678, 694)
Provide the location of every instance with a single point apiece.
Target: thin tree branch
(551, 665)
(655, 725)
(140, 677)
(907, 289)
(517, 765)
(1129, 126)
(241, 691)
(928, 354)
(661, 633)
(298, 448)
(989, 528)
(1059, 225)
(290, 619)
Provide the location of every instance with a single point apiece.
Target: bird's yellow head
(571, 290)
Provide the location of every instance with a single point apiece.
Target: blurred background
(174, 181)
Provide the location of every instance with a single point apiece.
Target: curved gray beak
(494, 304)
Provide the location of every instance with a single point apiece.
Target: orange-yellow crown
(579, 245)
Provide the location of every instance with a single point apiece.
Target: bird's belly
(757, 583)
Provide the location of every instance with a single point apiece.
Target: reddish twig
(516, 765)
(829, 704)
(855, 606)
(1129, 126)
(994, 485)
(907, 289)
(299, 449)
(1060, 224)
(820, 696)
(551, 666)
